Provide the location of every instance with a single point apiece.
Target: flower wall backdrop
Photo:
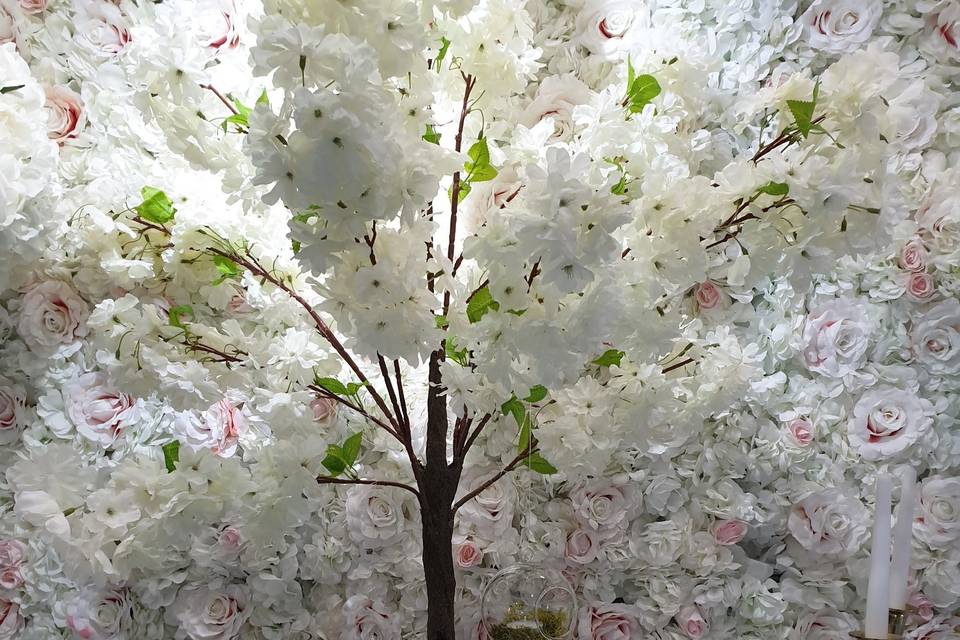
(746, 214)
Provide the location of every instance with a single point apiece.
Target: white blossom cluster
(709, 250)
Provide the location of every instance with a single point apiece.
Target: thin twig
(483, 487)
(377, 483)
(473, 436)
(222, 97)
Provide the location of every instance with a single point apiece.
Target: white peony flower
(835, 337)
(887, 420)
(829, 522)
(840, 26)
(99, 413)
(938, 516)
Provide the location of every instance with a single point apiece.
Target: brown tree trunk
(438, 488)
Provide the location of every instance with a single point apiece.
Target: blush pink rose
(729, 532)
(103, 30)
(12, 553)
(691, 621)
(65, 114)
(230, 540)
(601, 621)
(913, 256)
(10, 578)
(582, 546)
(801, 431)
(921, 605)
(33, 7)
(469, 555)
(12, 402)
(52, 314)
(217, 25)
(324, 408)
(225, 424)
(10, 619)
(920, 286)
(709, 297)
(98, 411)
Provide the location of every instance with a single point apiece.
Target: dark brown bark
(438, 488)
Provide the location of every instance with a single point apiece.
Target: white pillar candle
(903, 539)
(875, 625)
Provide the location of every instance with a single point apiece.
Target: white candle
(875, 625)
(902, 539)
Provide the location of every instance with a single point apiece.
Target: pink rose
(219, 430)
(10, 578)
(729, 532)
(217, 25)
(52, 314)
(921, 605)
(99, 412)
(920, 286)
(886, 420)
(469, 555)
(12, 401)
(913, 256)
(582, 546)
(33, 7)
(690, 621)
(801, 431)
(65, 115)
(12, 553)
(601, 621)
(230, 540)
(323, 408)
(10, 619)
(709, 297)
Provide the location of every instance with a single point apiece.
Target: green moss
(548, 624)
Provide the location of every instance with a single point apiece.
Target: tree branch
(222, 97)
(377, 483)
(473, 436)
(483, 487)
(469, 82)
(377, 421)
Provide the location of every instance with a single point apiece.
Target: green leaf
(333, 461)
(524, 442)
(431, 135)
(442, 322)
(332, 385)
(537, 393)
(444, 47)
(621, 187)
(457, 355)
(171, 455)
(264, 98)
(227, 268)
(238, 119)
(631, 74)
(351, 448)
(156, 206)
(176, 314)
(514, 407)
(479, 169)
(11, 88)
(539, 464)
(775, 188)
(609, 358)
(641, 92)
(802, 111)
(480, 304)
(464, 189)
(354, 387)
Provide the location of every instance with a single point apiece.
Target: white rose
(761, 602)
(65, 113)
(829, 522)
(216, 24)
(835, 338)
(583, 546)
(12, 403)
(490, 514)
(212, 613)
(840, 26)
(219, 429)
(935, 338)
(938, 220)
(887, 420)
(823, 625)
(8, 25)
(99, 412)
(601, 621)
(604, 506)
(913, 115)
(101, 29)
(556, 97)
(608, 27)
(52, 314)
(10, 620)
(938, 519)
(365, 619)
(378, 517)
(101, 615)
